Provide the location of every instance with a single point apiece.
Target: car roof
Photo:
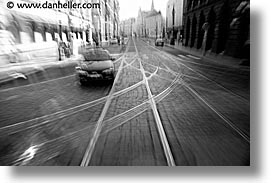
(97, 54)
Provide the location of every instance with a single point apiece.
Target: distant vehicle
(113, 41)
(159, 42)
(97, 64)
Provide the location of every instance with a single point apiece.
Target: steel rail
(90, 149)
(168, 153)
(205, 77)
(137, 110)
(231, 124)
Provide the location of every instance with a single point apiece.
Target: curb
(207, 58)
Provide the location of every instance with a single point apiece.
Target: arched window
(189, 4)
(48, 36)
(224, 27)
(27, 34)
(211, 19)
(245, 33)
(38, 37)
(187, 32)
(194, 31)
(200, 31)
(13, 28)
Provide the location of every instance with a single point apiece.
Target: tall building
(39, 25)
(154, 25)
(106, 20)
(150, 23)
(128, 27)
(174, 20)
(111, 18)
(141, 22)
(218, 26)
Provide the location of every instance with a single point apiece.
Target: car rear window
(96, 55)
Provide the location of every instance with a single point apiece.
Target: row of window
(30, 35)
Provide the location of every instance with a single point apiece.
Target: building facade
(154, 25)
(141, 22)
(174, 20)
(150, 23)
(42, 25)
(106, 20)
(218, 27)
(128, 27)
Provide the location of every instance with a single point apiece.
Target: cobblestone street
(161, 110)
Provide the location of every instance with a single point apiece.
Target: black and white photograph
(125, 83)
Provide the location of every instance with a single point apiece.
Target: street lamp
(205, 27)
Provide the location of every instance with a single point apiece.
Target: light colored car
(113, 41)
(97, 64)
(159, 42)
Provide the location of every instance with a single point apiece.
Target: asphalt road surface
(163, 109)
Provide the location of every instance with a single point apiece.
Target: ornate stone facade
(218, 26)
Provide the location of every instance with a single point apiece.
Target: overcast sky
(129, 8)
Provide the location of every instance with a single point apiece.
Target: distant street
(164, 108)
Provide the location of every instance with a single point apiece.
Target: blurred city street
(82, 83)
(161, 110)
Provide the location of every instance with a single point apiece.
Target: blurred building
(174, 20)
(128, 27)
(150, 23)
(38, 25)
(80, 22)
(141, 22)
(218, 26)
(106, 20)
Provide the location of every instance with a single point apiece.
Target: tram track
(24, 125)
(90, 149)
(108, 124)
(199, 73)
(165, 144)
(43, 120)
(103, 126)
(116, 120)
(193, 92)
(226, 120)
